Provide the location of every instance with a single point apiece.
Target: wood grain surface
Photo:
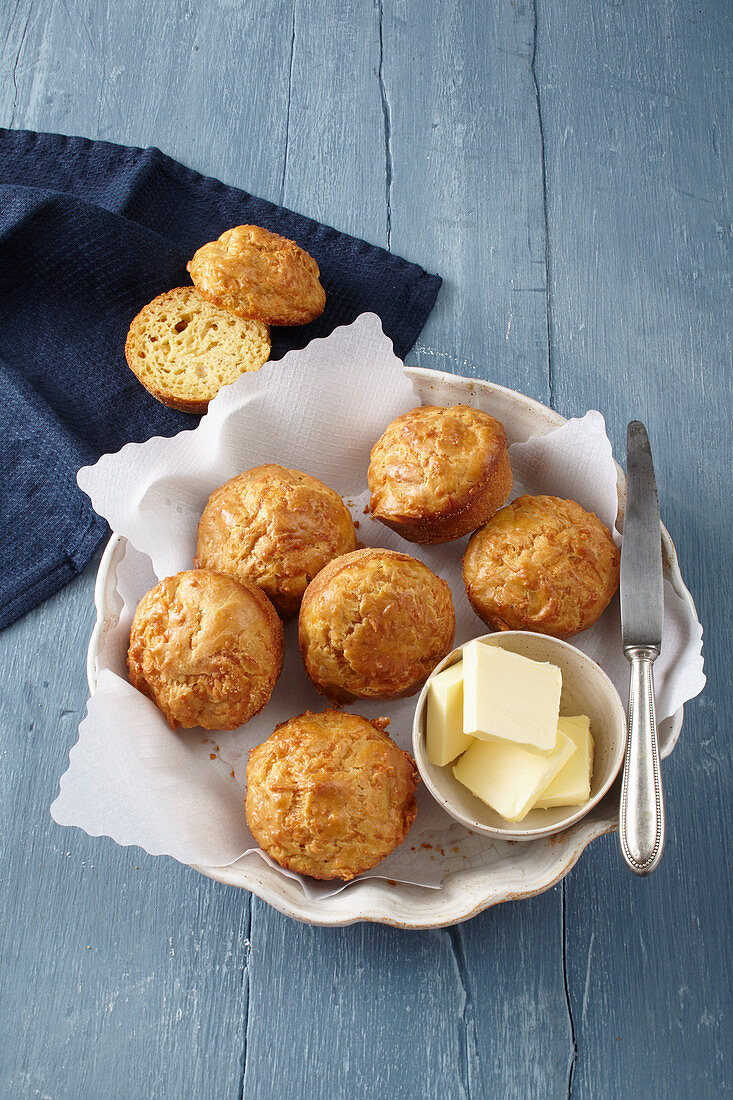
(565, 168)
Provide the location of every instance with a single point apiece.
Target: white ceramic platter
(515, 870)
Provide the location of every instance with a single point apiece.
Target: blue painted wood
(123, 976)
(206, 80)
(637, 124)
(595, 276)
(372, 995)
(369, 1011)
(461, 104)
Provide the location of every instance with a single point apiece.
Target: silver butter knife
(641, 820)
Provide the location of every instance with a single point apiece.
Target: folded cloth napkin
(90, 232)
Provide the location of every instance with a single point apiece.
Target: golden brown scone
(330, 795)
(206, 649)
(276, 528)
(373, 625)
(259, 275)
(438, 473)
(541, 564)
(184, 349)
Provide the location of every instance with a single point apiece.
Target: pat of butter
(508, 777)
(571, 785)
(510, 698)
(444, 737)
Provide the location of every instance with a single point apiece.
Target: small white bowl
(585, 690)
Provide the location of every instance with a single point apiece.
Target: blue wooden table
(565, 167)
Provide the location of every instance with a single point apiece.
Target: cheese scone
(276, 528)
(206, 649)
(544, 564)
(330, 795)
(439, 473)
(373, 625)
(260, 276)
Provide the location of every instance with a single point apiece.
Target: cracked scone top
(330, 795)
(544, 564)
(439, 473)
(276, 528)
(259, 276)
(373, 625)
(206, 649)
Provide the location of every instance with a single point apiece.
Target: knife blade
(642, 601)
(641, 813)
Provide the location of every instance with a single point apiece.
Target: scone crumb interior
(183, 349)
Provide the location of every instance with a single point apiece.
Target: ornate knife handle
(641, 820)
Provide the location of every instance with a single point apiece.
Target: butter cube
(508, 777)
(510, 698)
(444, 738)
(571, 785)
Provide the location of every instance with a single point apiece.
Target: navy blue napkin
(90, 232)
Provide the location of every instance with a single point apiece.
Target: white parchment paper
(320, 410)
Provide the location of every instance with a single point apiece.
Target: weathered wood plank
(122, 975)
(333, 169)
(636, 112)
(368, 1011)
(447, 1014)
(206, 82)
(472, 130)
(466, 183)
(330, 1011)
